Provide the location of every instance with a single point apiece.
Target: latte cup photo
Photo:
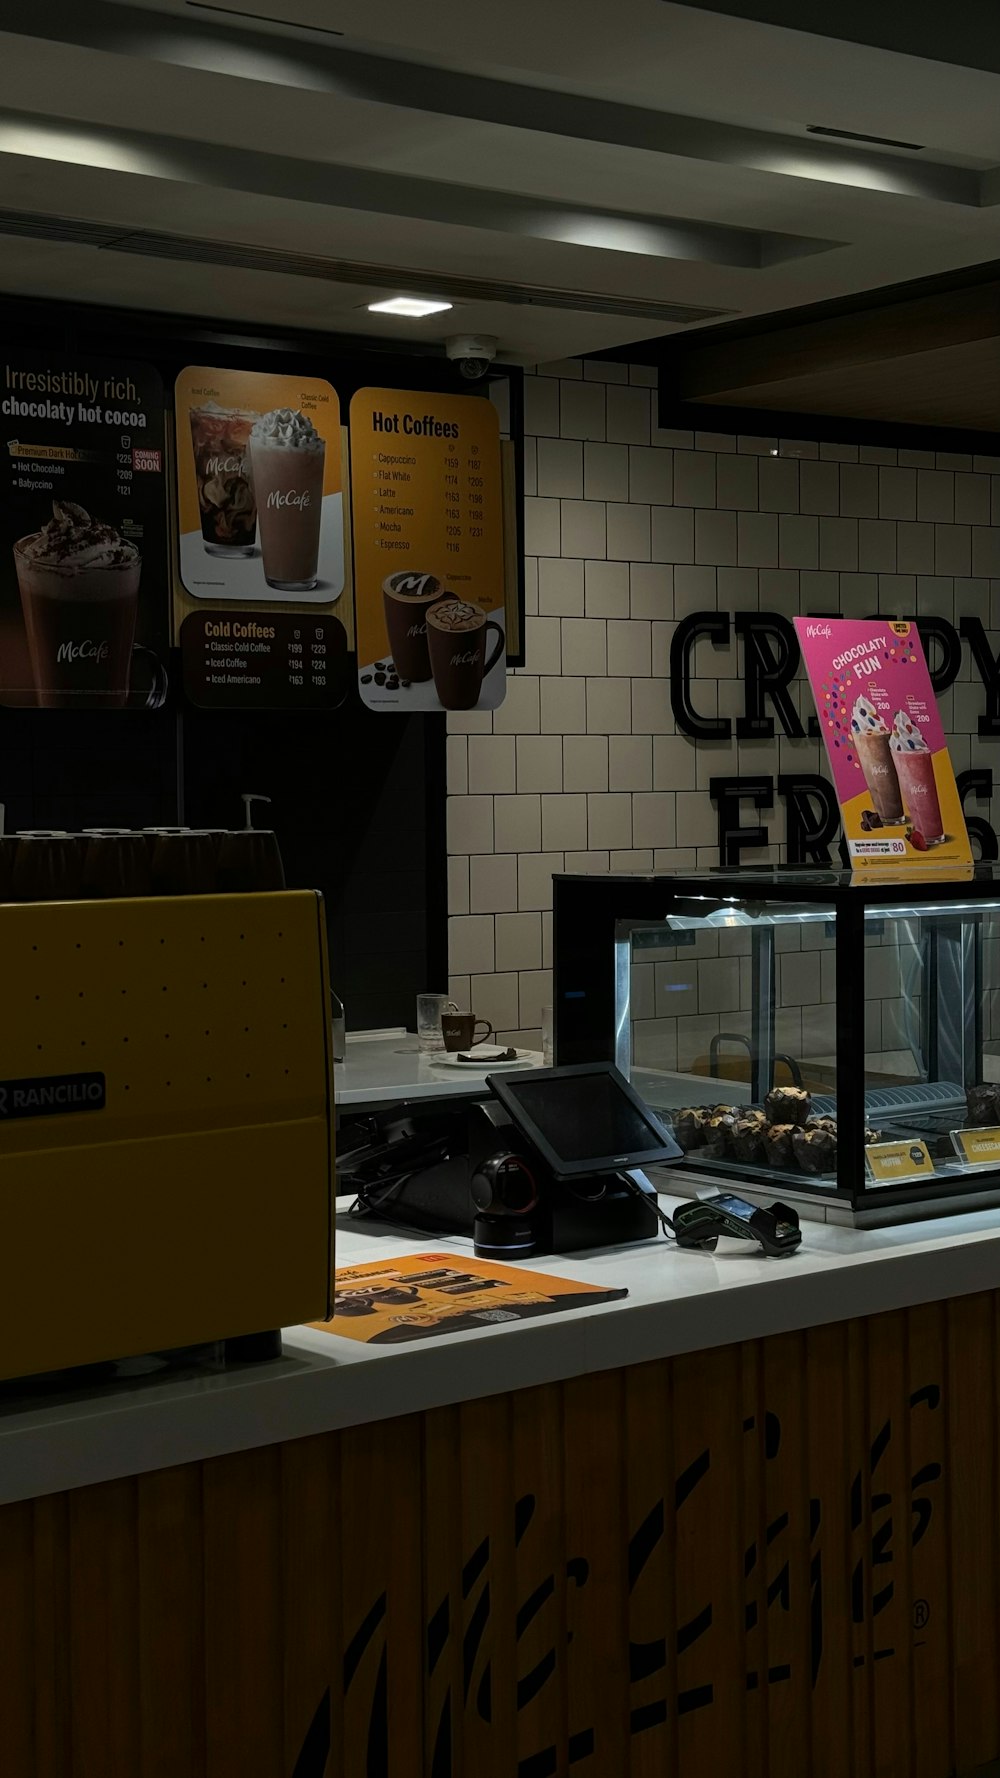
(457, 634)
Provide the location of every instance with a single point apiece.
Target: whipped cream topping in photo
(906, 737)
(287, 429)
(866, 719)
(72, 541)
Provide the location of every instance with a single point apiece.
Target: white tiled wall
(627, 528)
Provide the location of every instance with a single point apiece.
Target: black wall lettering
(770, 663)
(979, 783)
(937, 634)
(989, 672)
(727, 794)
(700, 623)
(812, 816)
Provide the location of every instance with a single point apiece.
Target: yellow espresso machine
(166, 1124)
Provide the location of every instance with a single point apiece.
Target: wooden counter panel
(766, 1561)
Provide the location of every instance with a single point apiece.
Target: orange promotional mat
(388, 1302)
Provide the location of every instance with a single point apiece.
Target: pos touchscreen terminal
(566, 1170)
(551, 1163)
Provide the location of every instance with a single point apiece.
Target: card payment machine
(700, 1224)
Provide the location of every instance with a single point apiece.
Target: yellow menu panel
(427, 507)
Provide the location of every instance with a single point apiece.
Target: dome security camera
(473, 352)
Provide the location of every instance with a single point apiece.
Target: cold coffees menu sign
(261, 538)
(84, 608)
(891, 768)
(428, 551)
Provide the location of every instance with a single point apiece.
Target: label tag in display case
(978, 1148)
(892, 1162)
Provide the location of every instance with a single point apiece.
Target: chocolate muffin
(689, 1128)
(787, 1105)
(814, 1149)
(983, 1102)
(872, 1136)
(719, 1130)
(778, 1144)
(748, 1136)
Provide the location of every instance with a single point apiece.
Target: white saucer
(487, 1056)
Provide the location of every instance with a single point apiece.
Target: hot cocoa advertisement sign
(428, 551)
(84, 606)
(880, 723)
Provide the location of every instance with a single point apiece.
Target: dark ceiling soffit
(665, 351)
(312, 64)
(767, 423)
(714, 367)
(336, 186)
(965, 33)
(105, 237)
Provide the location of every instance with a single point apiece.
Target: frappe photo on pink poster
(918, 785)
(872, 741)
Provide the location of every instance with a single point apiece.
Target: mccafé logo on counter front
(52, 1095)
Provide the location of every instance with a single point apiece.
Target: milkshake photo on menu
(885, 743)
(84, 595)
(259, 487)
(428, 551)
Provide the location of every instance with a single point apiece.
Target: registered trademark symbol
(921, 1614)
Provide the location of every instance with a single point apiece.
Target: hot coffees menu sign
(261, 524)
(84, 607)
(428, 551)
(891, 768)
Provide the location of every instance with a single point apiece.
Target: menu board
(264, 660)
(260, 537)
(389, 1302)
(880, 722)
(428, 551)
(84, 601)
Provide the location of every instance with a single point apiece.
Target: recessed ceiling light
(822, 129)
(415, 306)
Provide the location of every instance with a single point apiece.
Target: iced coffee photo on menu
(887, 751)
(259, 487)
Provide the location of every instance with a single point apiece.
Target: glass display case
(808, 1036)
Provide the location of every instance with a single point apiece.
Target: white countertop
(677, 1302)
(383, 1067)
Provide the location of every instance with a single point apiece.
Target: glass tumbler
(429, 1010)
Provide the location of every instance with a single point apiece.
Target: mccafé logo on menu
(277, 498)
(82, 651)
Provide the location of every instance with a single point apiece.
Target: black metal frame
(591, 911)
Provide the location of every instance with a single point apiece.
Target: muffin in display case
(831, 1041)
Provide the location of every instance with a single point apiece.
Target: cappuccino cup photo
(442, 648)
